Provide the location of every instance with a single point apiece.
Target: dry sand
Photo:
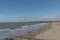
(53, 33)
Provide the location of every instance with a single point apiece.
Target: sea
(11, 32)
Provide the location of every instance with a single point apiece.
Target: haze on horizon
(18, 10)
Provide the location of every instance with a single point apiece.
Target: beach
(48, 32)
(32, 35)
(53, 33)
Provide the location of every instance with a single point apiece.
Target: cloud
(5, 18)
(14, 18)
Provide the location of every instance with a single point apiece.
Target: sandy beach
(53, 33)
(50, 31)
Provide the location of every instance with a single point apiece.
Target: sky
(21, 10)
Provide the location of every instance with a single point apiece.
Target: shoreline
(41, 30)
(52, 34)
(36, 32)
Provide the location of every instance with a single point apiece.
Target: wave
(23, 27)
(4, 29)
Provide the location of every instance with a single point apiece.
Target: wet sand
(35, 33)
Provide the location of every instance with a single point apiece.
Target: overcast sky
(16, 10)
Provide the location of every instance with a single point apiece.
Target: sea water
(6, 33)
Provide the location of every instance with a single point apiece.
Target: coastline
(52, 34)
(33, 34)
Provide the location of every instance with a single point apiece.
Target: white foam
(4, 29)
(23, 30)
